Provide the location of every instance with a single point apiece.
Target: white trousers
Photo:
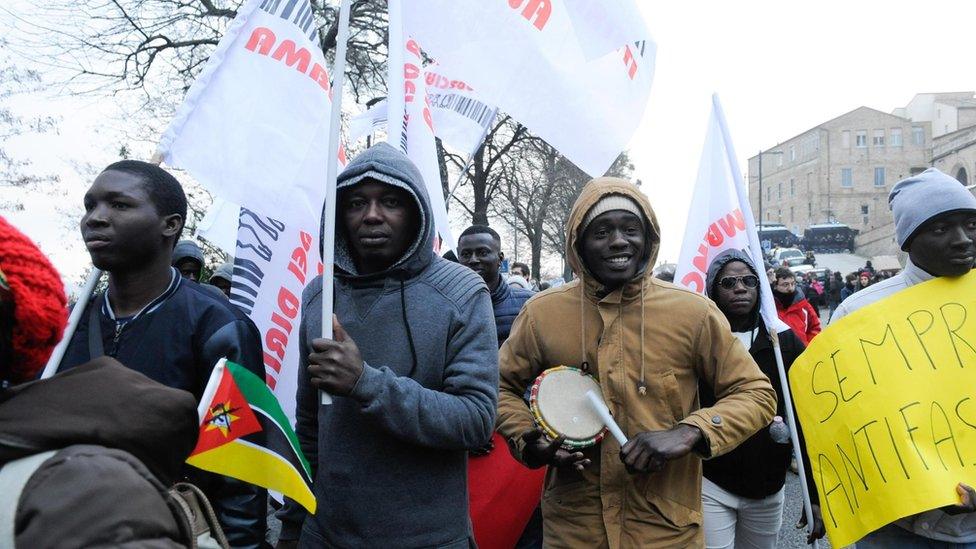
(744, 523)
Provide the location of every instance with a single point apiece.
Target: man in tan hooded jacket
(648, 343)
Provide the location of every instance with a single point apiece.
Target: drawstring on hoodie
(584, 365)
(642, 385)
(406, 325)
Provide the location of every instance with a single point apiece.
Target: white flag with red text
(254, 126)
(605, 25)
(411, 123)
(524, 57)
(461, 118)
(720, 218)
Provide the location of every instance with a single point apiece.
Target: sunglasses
(729, 282)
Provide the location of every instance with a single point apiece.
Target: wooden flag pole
(328, 230)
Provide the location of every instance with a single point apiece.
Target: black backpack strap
(96, 348)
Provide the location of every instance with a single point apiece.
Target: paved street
(789, 536)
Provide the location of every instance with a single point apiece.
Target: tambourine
(561, 408)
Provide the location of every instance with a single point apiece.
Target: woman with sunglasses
(742, 491)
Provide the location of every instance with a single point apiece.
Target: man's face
(121, 227)
(612, 247)
(222, 285)
(381, 221)
(481, 254)
(946, 245)
(785, 285)
(736, 289)
(519, 271)
(189, 268)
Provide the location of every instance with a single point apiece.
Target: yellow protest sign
(886, 397)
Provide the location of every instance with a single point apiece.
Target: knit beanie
(921, 197)
(609, 203)
(39, 304)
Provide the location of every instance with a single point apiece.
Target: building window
(810, 209)
(861, 139)
(879, 136)
(769, 193)
(779, 159)
(918, 135)
(791, 214)
(792, 188)
(894, 137)
(845, 139)
(846, 177)
(792, 153)
(879, 177)
(864, 209)
(779, 191)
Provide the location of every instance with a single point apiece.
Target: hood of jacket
(388, 165)
(187, 249)
(720, 261)
(224, 271)
(591, 194)
(102, 403)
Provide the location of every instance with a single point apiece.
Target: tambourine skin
(560, 407)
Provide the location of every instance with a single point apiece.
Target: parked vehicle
(782, 255)
(829, 238)
(773, 235)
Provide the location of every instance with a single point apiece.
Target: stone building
(842, 170)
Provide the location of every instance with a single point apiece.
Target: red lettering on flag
(261, 41)
(538, 9)
(630, 62)
(733, 223)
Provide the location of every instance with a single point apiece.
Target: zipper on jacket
(118, 332)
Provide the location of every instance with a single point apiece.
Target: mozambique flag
(244, 434)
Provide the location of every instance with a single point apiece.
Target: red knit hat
(40, 307)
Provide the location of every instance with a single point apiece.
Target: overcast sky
(779, 68)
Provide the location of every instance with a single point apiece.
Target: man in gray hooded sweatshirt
(413, 370)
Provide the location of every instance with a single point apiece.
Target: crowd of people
(431, 360)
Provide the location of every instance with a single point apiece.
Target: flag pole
(87, 290)
(756, 249)
(467, 165)
(328, 230)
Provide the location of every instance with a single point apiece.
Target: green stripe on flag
(259, 396)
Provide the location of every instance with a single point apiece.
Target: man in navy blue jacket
(480, 249)
(156, 322)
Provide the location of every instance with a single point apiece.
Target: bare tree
(529, 184)
(16, 172)
(157, 48)
(489, 165)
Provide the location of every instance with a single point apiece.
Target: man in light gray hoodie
(935, 222)
(413, 369)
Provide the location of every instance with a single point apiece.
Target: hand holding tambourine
(570, 412)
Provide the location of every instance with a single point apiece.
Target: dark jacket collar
(500, 293)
